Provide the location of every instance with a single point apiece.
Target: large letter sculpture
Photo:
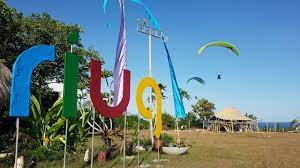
(146, 113)
(70, 85)
(96, 96)
(21, 77)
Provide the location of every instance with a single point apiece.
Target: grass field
(208, 150)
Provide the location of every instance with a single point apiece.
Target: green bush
(166, 139)
(145, 142)
(168, 120)
(42, 153)
(132, 121)
(56, 150)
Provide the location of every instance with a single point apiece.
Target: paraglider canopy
(220, 44)
(198, 79)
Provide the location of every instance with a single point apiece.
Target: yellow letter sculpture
(146, 113)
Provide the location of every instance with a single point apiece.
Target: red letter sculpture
(96, 96)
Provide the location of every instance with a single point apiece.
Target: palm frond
(5, 78)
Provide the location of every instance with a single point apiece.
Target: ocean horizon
(271, 125)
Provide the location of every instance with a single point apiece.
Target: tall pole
(150, 90)
(178, 137)
(124, 143)
(17, 140)
(66, 141)
(93, 137)
(66, 132)
(138, 138)
(145, 29)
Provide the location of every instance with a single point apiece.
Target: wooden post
(124, 140)
(214, 127)
(138, 138)
(189, 124)
(231, 126)
(178, 137)
(66, 142)
(93, 137)
(17, 141)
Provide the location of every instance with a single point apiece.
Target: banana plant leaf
(56, 126)
(220, 44)
(35, 107)
(62, 139)
(84, 118)
(57, 107)
(72, 127)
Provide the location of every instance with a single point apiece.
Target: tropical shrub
(49, 126)
(132, 121)
(167, 139)
(168, 120)
(38, 153)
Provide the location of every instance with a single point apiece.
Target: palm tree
(5, 78)
(184, 94)
(163, 89)
(106, 74)
(294, 123)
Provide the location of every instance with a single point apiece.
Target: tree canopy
(203, 108)
(19, 32)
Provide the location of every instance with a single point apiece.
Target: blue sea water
(271, 125)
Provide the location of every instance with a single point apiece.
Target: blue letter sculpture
(26, 62)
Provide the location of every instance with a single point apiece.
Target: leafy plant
(167, 139)
(184, 94)
(203, 108)
(48, 126)
(251, 116)
(168, 120)
(146, 142)
(53, 152)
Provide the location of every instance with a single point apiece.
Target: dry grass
(209, 150)
(239, 150)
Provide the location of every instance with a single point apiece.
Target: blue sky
(262, 81)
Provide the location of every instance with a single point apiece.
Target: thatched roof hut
(231, 114)
(231, 120)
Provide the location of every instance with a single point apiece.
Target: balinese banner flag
(121, 59)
